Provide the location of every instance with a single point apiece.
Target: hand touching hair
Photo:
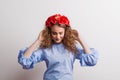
(75, 34)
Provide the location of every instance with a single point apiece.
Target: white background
(98, 22)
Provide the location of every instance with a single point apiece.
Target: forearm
(84, 46)
(32, 47)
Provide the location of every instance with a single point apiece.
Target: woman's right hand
(34, 45)
(40, 37)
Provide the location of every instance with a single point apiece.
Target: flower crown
(57, 18)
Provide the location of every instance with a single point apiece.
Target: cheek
(62, 36)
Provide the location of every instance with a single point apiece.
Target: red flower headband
(57, 18)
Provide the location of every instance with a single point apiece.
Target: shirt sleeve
(87, 59)
(29, 63)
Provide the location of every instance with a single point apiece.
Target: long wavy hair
(69, 39)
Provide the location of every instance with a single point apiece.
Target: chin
(57, 42)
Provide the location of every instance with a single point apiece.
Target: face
(57, 33)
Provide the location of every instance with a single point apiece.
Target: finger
(75, 32)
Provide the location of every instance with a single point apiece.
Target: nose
(58, 36)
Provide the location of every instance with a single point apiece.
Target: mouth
(57, 39)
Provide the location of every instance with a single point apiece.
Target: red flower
(57, 18)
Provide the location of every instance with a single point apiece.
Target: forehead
(57, 28)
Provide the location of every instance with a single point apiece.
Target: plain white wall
(97, 20)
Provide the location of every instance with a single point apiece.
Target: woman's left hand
(75, 34)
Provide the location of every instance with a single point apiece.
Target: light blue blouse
(59, 61)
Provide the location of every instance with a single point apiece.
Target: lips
(57, 39)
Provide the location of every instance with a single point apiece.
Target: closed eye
(61, 33)
(54, 33)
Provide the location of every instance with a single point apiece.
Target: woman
(58, 45)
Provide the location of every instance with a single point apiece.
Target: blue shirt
(59, 61)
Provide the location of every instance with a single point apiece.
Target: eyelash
(56, 33)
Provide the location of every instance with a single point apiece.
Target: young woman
(58, 45)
